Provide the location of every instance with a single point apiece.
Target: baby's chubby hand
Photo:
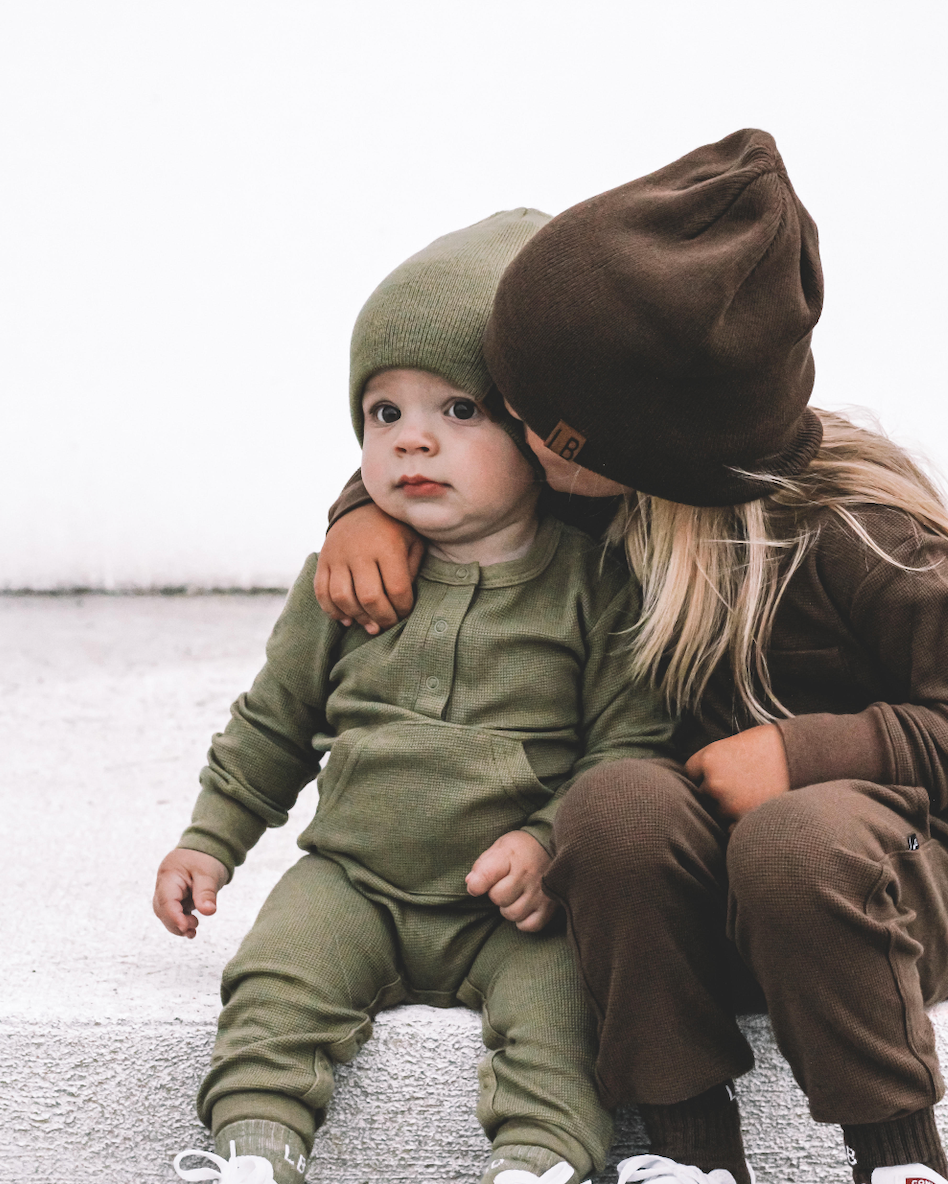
(187, 880)
(510, 871)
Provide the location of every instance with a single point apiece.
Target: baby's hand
(741, 772)
(187, 880)
(510, 871)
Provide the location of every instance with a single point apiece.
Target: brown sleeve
(823, 747)
(900, 617)
(354, 494)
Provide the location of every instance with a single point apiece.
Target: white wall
(198, 195)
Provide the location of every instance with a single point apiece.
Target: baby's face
(432, 458)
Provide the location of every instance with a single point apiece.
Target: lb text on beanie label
(565, 441)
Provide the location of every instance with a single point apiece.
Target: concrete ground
(106, 707)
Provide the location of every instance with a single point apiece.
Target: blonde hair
(713, 576)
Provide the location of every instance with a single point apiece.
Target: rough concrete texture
(106, 705)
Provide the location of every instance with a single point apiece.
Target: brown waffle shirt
(859, 655)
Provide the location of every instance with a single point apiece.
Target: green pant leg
(300, 992)
(537, 1085)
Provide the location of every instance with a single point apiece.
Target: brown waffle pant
(835, 897)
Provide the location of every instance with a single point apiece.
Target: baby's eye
(463, 409)
(385, 413)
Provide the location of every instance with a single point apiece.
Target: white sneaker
(239, 1169)
(559, 1173)
(659, 1170)
(910, 1173)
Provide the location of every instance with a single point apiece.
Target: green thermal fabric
(323, 958)
(467, 720)
(279, 1144)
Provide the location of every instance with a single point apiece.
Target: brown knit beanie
(659, 334)
(430, 313)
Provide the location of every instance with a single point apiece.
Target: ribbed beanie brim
(659, 334)
(430, 312)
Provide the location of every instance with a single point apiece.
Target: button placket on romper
(436, 656)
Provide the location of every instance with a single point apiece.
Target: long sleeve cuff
(222, 827)
(541, 830)
(354, 494)
(824, 747)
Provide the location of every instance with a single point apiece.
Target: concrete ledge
(97, 1103)
(106, 1021)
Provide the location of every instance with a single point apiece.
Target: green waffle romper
(468, 720)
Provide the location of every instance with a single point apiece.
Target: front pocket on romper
(417, 802)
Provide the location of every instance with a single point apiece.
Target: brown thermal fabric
(353, 495)
(705, 1130)
(857, 654)
(914, 1139)
(840, 918)
(659, 334)
(836, 894)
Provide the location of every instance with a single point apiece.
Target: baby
(452, 738)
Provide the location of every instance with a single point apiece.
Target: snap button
(440, 626)
(461, 573)
(432, 683)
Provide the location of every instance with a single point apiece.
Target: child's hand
(366, 569)
(187, 880)
(510, 871)
(741, 772)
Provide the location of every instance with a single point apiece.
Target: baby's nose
(414, 438)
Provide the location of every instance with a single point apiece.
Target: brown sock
(704, 1131)
(914, 1139)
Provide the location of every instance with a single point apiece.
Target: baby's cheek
(373, 476)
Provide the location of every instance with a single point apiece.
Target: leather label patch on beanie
(565, 441)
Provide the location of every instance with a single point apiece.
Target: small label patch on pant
(913, 846)
(851, 1156)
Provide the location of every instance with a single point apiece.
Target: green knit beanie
(430, 313)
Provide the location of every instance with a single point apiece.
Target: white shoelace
(659, 1170)
(239, 1169)
(558, 1174)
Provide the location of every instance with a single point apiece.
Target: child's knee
(791, 857)
(629, 817)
